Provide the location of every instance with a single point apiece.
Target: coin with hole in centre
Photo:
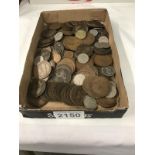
(94, 32)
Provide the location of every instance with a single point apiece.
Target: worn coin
(52, 63)
(79, 79)
(83, 58)
(103, 60)
(103, 39)
(102, 51)
(90, 103)
(95, 24)
(58, 36)
(107, 102)
(80, 34)
(38, 59)
(46, 49)
(68, 54)
(84, 49)
(107, 71)
(89, 40)
(112, 92)
(94, 32)
(56, 56)
(45, 42)
(46, 55)
(58, 46)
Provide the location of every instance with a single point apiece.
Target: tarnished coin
(68, 54)
(67, 29)
(54, 26)
(58, 36)
(83, 58)
(103, 60)
(58, 46)
(52, 63)
(107, 71)
(46, 49)
(84, 49)
(107, 102)
(45, 42)
(80, 34)
(46, 55)
(90, 103)
(71, 42)
(102, 45)
(38, 59)
(112, 92)
(79, 79)
(89, 40)
(94, 32)
(95, 24)
(56, 56)
(48, 33)
(42, 69)
(103, 39)
(37, 87)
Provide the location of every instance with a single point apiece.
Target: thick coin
(58, 36)
(56, 56)
(83, 58)
(90, 103)
(54, 26)
(107, 71)
(71, 42)
(107, 102)
(79, 79)
(94, 32)
(112, 92)
(103, 60)
(68, 54)
(42, 69)
(80, 34)
(37, 87)
(46, 55)
(38, 59)
(95, 24)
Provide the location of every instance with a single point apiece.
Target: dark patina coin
(107, 71)
(84, 49)
(48, 33)
(95, 24)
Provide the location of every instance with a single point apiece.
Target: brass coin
(54, 26)
(107, 102)
(56, 56)
(89, 40)
(68, 54)
(103, 60)
(42, 69)
(71, 43)
(83, 58)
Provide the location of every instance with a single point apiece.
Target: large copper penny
(103, 60)
(107, 102)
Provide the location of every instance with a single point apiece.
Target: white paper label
(68, 114)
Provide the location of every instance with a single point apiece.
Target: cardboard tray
(61, 110)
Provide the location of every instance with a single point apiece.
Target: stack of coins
(74, 64)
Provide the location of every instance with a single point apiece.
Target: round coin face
(90, 103)
(56, 56)
(79, 79)
(103, 39)
(108, 71)
(80, 34)
(58, 36)
(42, 69)
(68, 54)
(94, 32)
(38, 59)
(52, 63)
(83, 58)
(46, 55)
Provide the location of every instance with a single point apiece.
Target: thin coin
(58, 36)
(79, 79)
(68, 54)
(103, 39)
(103, 60)
(107, 102)
(38, 59)
(83, 58)
(90, 103)
(107, 71)
(94, 32)
(112, 92)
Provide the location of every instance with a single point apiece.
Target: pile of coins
(74, 65)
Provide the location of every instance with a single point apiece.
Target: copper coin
(42, 69)
(56, 56)
(68, 54)
(71, 43)
(96, 86)
(89, 40)
(103, 60)
(107, 102)
(54, 26)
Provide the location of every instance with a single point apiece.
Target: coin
(107, 71)
(112, 92)
(37, 87)
(67, 29)
(42, 69)
(38, 59)
(58, 36)
(71, 42)
(95, 24)
(45, 42)
(94, 32)
(52, 63)
(84, 49)
(107, 102)
(102, 45)
(46, 49)
(103, 39)
(96, 86)
(78, 79)
(103, 60)
(58, 46)
(90, 103)
(46, 79)
(48, 33)
(80, 34)
(56, 56)
(68, 54)
(46, 55)
(54, 26)
(89, 40)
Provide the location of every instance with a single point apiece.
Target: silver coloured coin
(108, 71)
(94, 32)
(103, 39)
(46, 55)
(58, 46)
(38, 59)
(79, 79)
(83, 58)
(113, 91)
(58, 36)
(90, 103)
(52, 63)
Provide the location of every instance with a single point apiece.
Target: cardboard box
(61, 110)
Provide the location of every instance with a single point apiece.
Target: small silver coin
(90, 103)
(113, 91)
(108, 71)
(38, 59)
(46, 55)
(58, 36)
(83, 58)
(103, 39)
(79, 79)
(94, 32)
